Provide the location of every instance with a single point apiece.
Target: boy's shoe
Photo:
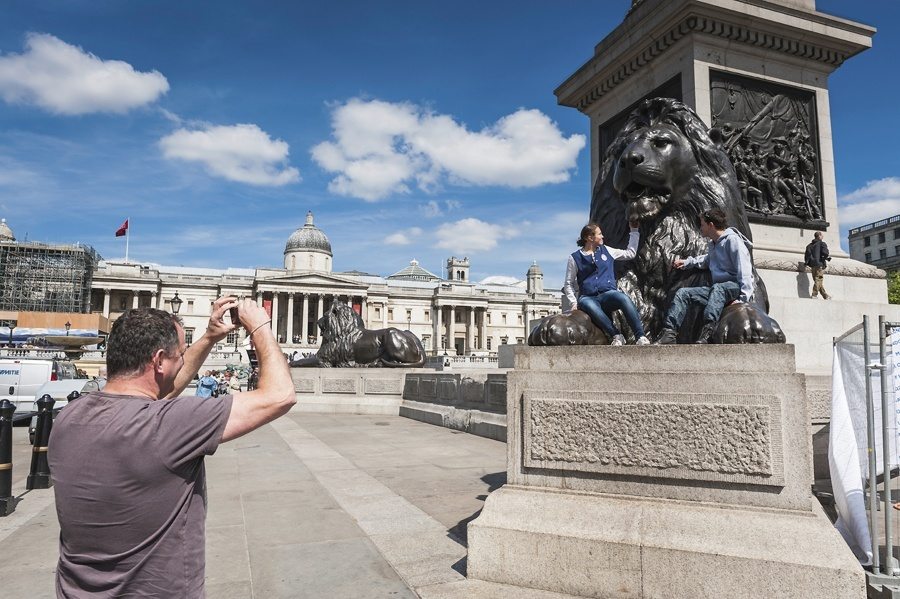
(706, 332)
(618, 340)
(642, 340)
(667, 337)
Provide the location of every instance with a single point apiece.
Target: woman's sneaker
(618, 340)
(642, 340)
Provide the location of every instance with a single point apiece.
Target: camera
(235, 319)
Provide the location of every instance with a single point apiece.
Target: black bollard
(7, 501)
(73, 396)
(39, 477)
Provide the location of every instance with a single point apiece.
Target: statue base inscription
(663, 471)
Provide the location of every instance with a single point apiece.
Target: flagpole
(127, 235)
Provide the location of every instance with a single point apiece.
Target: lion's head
(341, 326)
(662, 163)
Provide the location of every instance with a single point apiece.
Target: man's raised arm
(274, 395)
(216, 330)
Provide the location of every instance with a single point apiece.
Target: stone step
(479, 589)
(769, 358)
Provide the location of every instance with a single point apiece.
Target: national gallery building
(453, 315)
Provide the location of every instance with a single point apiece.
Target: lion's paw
(574, 328)
(744, 323)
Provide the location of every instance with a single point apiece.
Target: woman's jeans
(713, 299)
(600, 308)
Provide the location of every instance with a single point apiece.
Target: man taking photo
(127, 462)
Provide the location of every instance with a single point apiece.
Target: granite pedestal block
(664, 471)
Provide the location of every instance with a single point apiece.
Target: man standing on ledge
(731, 269)
(816, 257)
(127, 462)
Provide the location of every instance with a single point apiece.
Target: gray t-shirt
(131, 493)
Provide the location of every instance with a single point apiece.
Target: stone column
(259, 298)
(482, 330)
(304, 325)
(470, 333)
(275, 314)
(437, 328)
(289, 335)
(364, 309)
(154, 300)
(134, 299)
(319, 314)
(106, 294)
(451, 331)
(384, 308)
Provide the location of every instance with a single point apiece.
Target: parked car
(20, 378)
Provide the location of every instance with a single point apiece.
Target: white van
(20, 378)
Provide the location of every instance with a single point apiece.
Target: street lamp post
(176, 304)
(68, 326)
(11, 328)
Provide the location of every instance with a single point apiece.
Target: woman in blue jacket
(591, 272)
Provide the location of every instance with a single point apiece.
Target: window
(881, 237)
(231, 339)
(897, 250)
(427, 314)
(896, 233)
(867, 241)
(377, 312)
(504, 317)
(868, 256)
(190, 306)
(489, 343)
(882, 254)
(519, 319)
(390, 314)
(122, 302)
(488, 314)
(458, 317)
(189, 336)
(408, 314)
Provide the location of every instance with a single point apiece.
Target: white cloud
(874, 201)
(472, 235)
(403, 237)
(243, 153)
(500, 280)
(64, 79)
(431, 209)
(381, 148)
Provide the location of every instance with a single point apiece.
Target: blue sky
(410, 129)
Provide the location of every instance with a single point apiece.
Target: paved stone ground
(318, 506)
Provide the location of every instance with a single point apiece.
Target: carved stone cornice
(863, 271)
(616, 59)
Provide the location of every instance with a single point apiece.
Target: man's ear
(157, 360)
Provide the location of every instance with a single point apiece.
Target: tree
(893, 287)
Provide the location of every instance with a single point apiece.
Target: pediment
(312, 279)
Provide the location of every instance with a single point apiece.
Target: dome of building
(414, 272)
(6, 233)
(308, 238)
(534, 269)
(308, 248)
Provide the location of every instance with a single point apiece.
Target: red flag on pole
(123, 229)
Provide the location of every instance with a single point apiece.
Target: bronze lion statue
(347, 343)
(663, 169)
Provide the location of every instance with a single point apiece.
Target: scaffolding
(40, 277)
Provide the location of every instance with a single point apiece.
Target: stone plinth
(349, 390)
(669, 472)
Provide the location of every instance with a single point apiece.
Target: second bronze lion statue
(347, 343)
(663, 169)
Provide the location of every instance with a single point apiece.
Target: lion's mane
(341, 327)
